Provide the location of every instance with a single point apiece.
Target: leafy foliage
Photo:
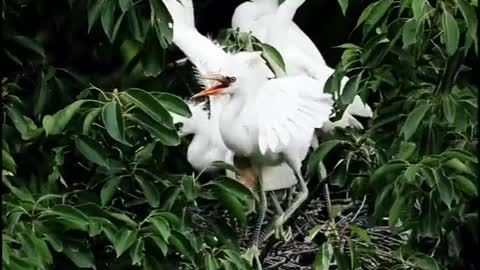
(88, 152)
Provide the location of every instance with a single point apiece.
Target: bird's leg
(261, 211)
(276, 203)
(299, 200)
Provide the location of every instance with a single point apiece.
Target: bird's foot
(252, 255)
(281, 233)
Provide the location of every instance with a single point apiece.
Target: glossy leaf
(166, 135)
(445, 188)
(136, 252)
(89, 119)
(107, 18)
(113, 121)
(413, 121)
(150, 105)
(396, 210)
(149, 190)
(109, 189)
(324, 257)
(451, 32)
(351, 89)
(343, 5)
(55, 124)
(162, 227)
(81, 257)
(174, 104)
(274, 58)
(92, 150)
(409, 33)
(123, 240)
(320, 153)
(466, 185)
(124, 4)
(94, 12)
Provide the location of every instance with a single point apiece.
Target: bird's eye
(231, 79)
(178, 126)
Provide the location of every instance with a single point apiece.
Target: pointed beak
(217, 89)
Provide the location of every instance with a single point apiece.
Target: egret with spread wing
(268, 121)
(273, 23)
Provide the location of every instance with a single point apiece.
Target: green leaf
(55, 242)
(8, 162)
(451, 32)
(413, 121)
(235, 187)
(449, 109)
(6, 253)
(361, 232)
(152, 55)
(29, 43)
(113, 121)
(181, 243)
(23, 195)
(324, 257)
(229, 200)
(470, 16)
(425, 262)
(166, 135)
(149, 190)
(274, 58)
(409, 33)
(162, 227)
(163, 22)
(343, 5)
(54, 124)
(23, 124)
(89, 119)
(92, 150)
(445, 188)
(123, 240)
(124, 4)
(457, 165)
(418, 8)
(411, 173)
(320, 153)
(385, 170)
(136, 252)
(396, 210)
(407, 150)
(107, 18)
(94, 12)
(174, 104)
(188, 186)
(109, 189)
(150, 105)
(351, 89)
(116, 28)
(160, 244)
(375, 14)
(150, 263)
(466, 186)
(80, 256)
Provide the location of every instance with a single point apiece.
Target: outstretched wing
(288, 108)
(200, 50)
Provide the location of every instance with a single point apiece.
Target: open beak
(217, 89)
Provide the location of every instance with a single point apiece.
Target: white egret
(273, 23)
(268, 121)
(207, 147)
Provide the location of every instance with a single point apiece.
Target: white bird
(207, 147)
(273, 23)
(268, 121)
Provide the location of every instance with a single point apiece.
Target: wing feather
(290, 107)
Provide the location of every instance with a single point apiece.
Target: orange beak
(217, 89)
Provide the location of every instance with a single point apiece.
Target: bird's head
(245, 71)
